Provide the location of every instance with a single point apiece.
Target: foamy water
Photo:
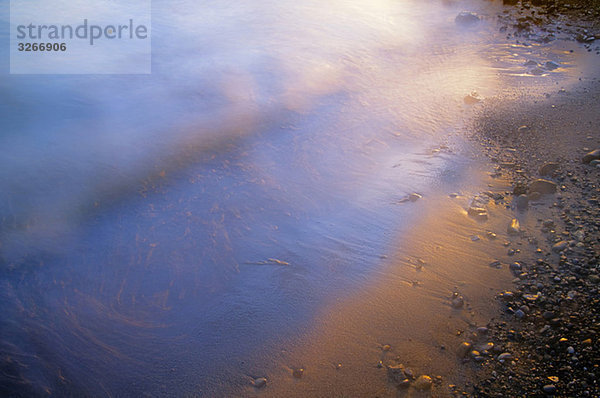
(159, 233)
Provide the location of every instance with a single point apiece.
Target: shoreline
(451, 254)
(549, 320)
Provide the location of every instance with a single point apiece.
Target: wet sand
(406, 314)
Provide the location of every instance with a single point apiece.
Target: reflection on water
(164, 233)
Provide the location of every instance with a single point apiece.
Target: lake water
(163, 234)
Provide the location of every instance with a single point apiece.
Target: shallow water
(164, 234)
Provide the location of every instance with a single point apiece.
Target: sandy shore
(549, 323)
(468, 305)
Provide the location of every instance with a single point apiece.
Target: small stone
(551, 65)
(514, 227)
(519, 314)
(386, 347)
(587, 342)
(297, 373)
(505, 356)
(478, 213)
(516, 266)
(396, 373)
(548, 223)
(466, 18)
(542, 186)
(560, 246)
(413, 197)
(548, 169)
(404, 383)
(475, 238)
(458, 302)
(570, 350)
(423, 383)
(593, 155)
(463, 349)
(549, 389)
(259, 382)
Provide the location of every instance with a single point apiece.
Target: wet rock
(297, 373)
(478, 213)
(413, 197)
(259, 382)
(471, 99)
(463, 349)
(549, 389)
(560, 246)
(423, 383)
(396, 373)
(457, 302)
(516, 266)
(593, 155)
(466, 18)
(514, 228)
(548, 169)
(505, 356)
(542, 186)
(481, 331)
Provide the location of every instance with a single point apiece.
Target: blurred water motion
(161, 234)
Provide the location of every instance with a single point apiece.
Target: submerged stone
(542, 186)
(593, 155)
(423, 383)
(259, 382)
(514, 227)
(466, 18)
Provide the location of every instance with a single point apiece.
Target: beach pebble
(548, 169)
(542, 186)
(593, 155)
(479, 213)
(514, 227)
(505, 356)
(516, 266)
(551, 65)
(560, 246)
(423, 383)
(458, 302)
(549, 389)
(259, 382)
(463, 349)
(466, 18)
(413, 197)
(396, 373)
(297, 373)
